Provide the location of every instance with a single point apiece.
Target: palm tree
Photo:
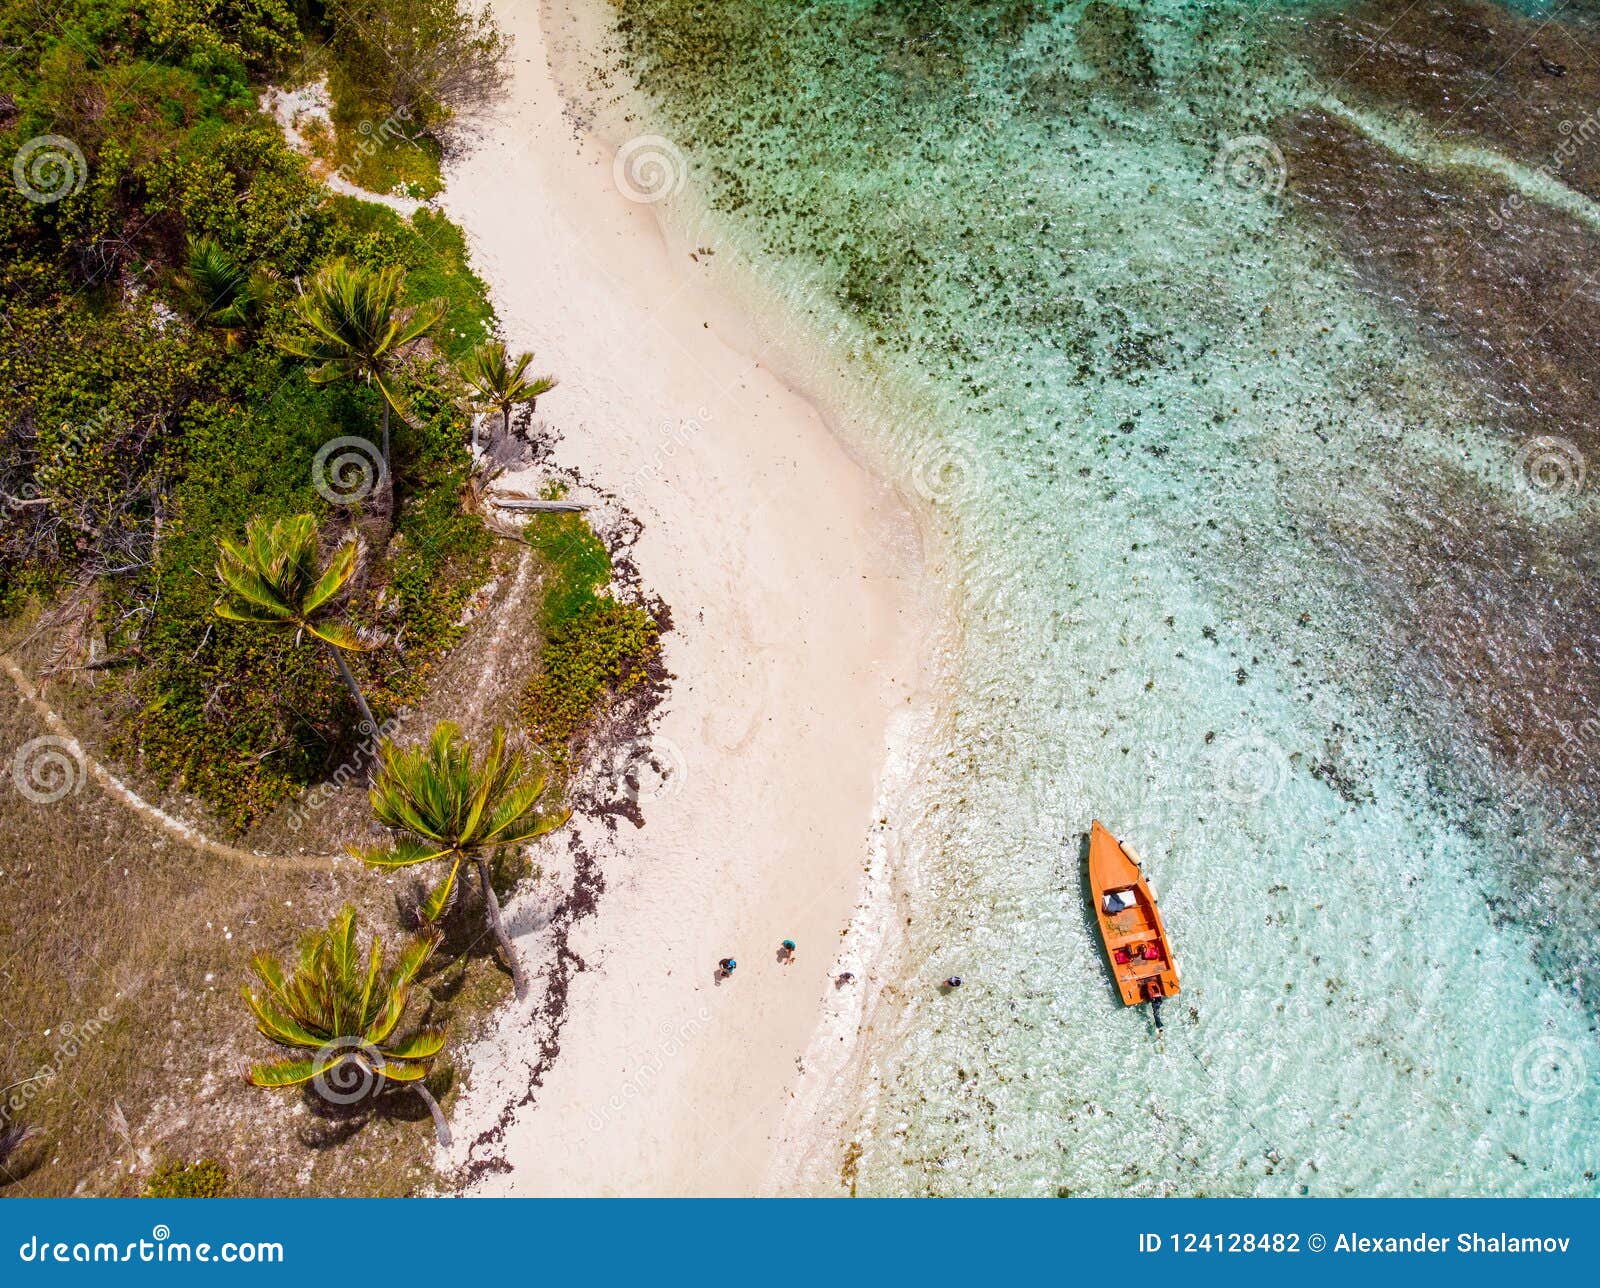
(276, 579)
(347, 1012)
(219, 294)
(500, 382)
(446, 807)
(358, 325)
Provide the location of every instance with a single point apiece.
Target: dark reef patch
(1504, 286)
(1476, 71)
(1110, 41)
(1490, 602)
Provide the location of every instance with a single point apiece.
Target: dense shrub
(429, 59)
(203, 1180)
(223, 33)
(594, 646)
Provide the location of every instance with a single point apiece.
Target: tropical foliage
(356, 326)
(167, 383)
(277, 579)
(595, 646)
(219, 294)
(423, 61)
(347, 1010)
(500, 382)
(450, 809)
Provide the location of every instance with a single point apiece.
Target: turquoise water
(1038, 262)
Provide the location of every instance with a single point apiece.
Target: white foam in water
(1130, 391)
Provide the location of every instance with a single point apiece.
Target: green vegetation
(357, 326)
(277, 579)
(149, 271)
(205, 1179)
(448, 809)
(192, 324)
(500, 382)
(418, 61)
(594, 645)
(373, 148)
(218, 294)
(348, 1013)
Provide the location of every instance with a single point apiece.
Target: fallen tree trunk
(562, 507)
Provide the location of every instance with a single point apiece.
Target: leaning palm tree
(357, 325)
(447, 808)
(347, 1013)
(501, 382)
(219, 294)
(277, 579)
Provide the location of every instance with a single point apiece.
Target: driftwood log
(521, 503)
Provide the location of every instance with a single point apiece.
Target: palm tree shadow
(399, 1102)
(333, 1124)
(463, 935)
(526, 920)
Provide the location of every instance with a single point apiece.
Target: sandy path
(72, 758)
(792, 574)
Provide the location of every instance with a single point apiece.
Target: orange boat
(1130, 923)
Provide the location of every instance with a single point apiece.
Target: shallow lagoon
(1252, 557)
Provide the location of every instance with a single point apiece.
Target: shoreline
(795, 576)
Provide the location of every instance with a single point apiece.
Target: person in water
(953, 982)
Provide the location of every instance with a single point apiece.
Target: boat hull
(1131, 928)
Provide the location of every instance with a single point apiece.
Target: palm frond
(439, 897)
(419, 1046)
(404, 853)
(341, 566)
(337, 999)
(287, 1073)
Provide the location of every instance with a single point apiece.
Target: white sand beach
(794, 578)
